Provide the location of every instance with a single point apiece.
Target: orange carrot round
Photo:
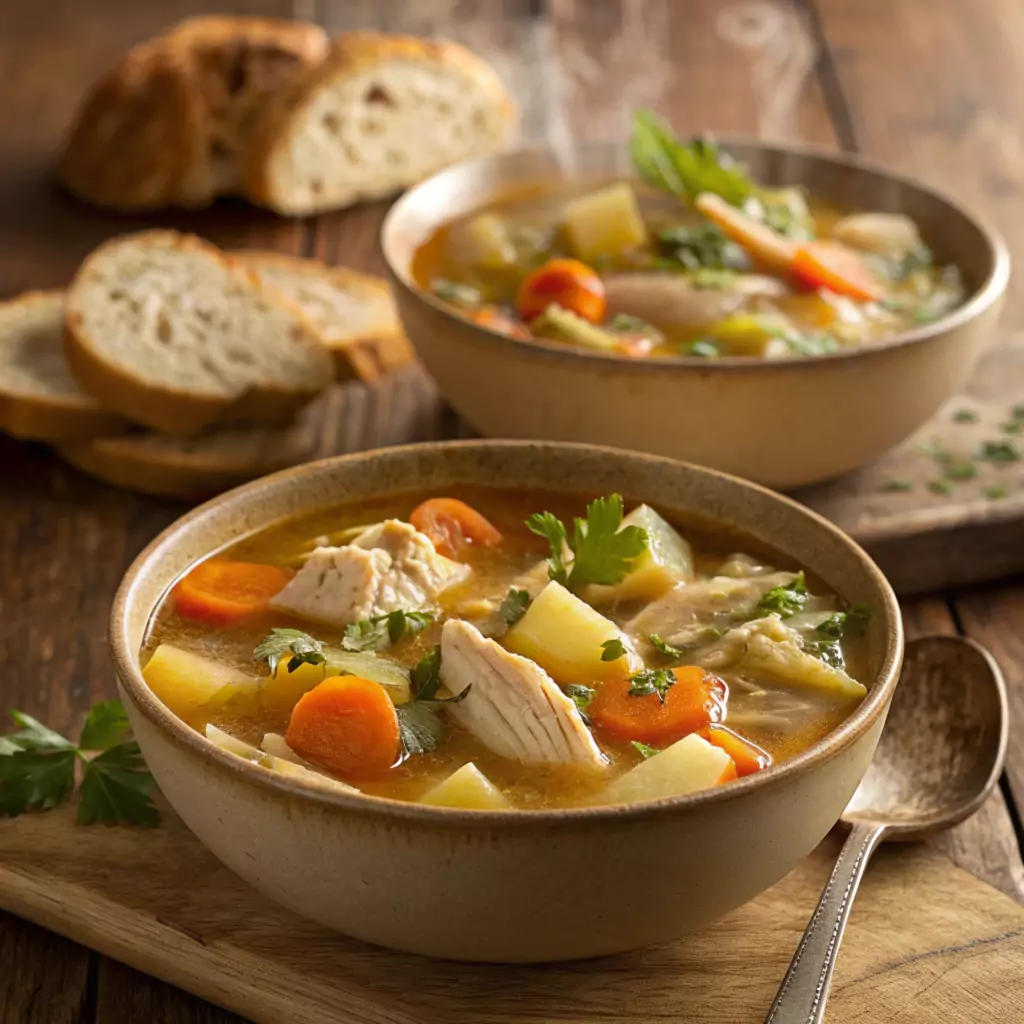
(347, 725)
(695, 701)
(570, 283)
(453, 525)
(220, 592)
(748, 757)
(840, 270)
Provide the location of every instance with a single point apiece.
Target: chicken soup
(488, 649)
(695, 258)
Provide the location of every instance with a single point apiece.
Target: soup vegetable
(702, 262)
(504, 649)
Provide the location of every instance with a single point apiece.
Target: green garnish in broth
(381, 631)
(645, 750)
(612, 650)
(665, 648)
(419, 726)
(299, 647)
(785, 600)
(652, 681)
(513, 608)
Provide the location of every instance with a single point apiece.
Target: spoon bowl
(943, 745)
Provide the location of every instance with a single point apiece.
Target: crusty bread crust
(352, 54)
(197, 468)
(31, 415)
(364, 355)
(169, 125)
(163, 408)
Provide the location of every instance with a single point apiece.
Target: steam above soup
(504, 649)
(703, 261)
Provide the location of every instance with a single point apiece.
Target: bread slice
(353, 313)
(39, 399)
(166, 330)
(169, 125)
(196, 467)
(377, 115)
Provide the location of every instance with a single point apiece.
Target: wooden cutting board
(927, 943)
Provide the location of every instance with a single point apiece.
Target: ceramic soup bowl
(782, 422)
(507, 885)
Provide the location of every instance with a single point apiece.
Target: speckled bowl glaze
(782, 423)
(506, 885)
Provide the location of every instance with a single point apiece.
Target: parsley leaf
(34, 735)
(419, 726)
(380, 631)
(581, 696)
(666, 648)
(513, 608)
(118, 789)
(706, 348)
(36, 779)
(940, 487)
(645, 749)
(965, 416)
(603, 549)
(302, 648)
(612, 650)
(701, 249)
(894, 484)
(785, 600)
(825, 643)
(652, 681)
(425, 677)
(999, 452)
(105, 726)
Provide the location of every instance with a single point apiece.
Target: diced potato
(185, 681)
(667, 561)
(228, 742)
(745, 334)
(604, 223)
(564, 635)
(486, 242)
(689, 765)
(468, 789)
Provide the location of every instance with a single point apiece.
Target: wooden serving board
(926, 943)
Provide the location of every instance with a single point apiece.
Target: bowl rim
(129, 673)
(988, 293)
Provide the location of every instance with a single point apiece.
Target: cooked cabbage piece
(468, 789)
(564, 325)
(605, 223)
(227, 742)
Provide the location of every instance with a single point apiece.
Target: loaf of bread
(377, 115)
(169, 332)
(352, 313)
(170, 124)
(39, 399)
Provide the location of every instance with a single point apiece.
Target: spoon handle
(804, 990)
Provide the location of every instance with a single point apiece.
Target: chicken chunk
(669, 300)
(389, 566)
(513, 707)
(887, 234)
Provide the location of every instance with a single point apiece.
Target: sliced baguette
(166, 330)
(196, 467)
(377, 115)
(352, 313)
(39, 399)
(170, 124)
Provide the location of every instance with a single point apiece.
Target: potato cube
(605, 223)
(690, 764)
(564, 635)
(185, 681)
(467, 789)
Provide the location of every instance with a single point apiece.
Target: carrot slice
(347, 725)
(220, 592)
(729, 772)
(837, 268)
(570, 283)
(695, 701)
(748, 757)
(765, 246)
(453, 526)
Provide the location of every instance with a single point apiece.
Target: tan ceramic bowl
(506, 885)
(779, 423)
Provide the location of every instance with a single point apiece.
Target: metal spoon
(940, 754)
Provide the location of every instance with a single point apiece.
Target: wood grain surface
(865, 75)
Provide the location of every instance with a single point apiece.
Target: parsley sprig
(381, 631)
(513, 608)
(418, 723)
(300, 648)
(652, 681)
(37, 770)
(785, 600)
(603, 549)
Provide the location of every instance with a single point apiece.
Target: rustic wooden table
(924, 85)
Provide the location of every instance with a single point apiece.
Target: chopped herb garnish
(419, 726)
(940, 487)
(301, 647)
(898, 484)
(702, 250)
(612, 650)
(581, 696)
(1017, 412)
(825, 650)
(703, 347)
(425, 677)
(381, 631)
(960, 471)
(810, 343)
(37, 770)
(995, 492)
(825, 643)
(999, 452)
(665, 648)
(645, 749)
(785, 600)
(713, 277)
(603, 549)
(462, 295)
(965, 416)
(652, 681)
(624, 323)
(513, 608)
(1012, 427)
(936, 451)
